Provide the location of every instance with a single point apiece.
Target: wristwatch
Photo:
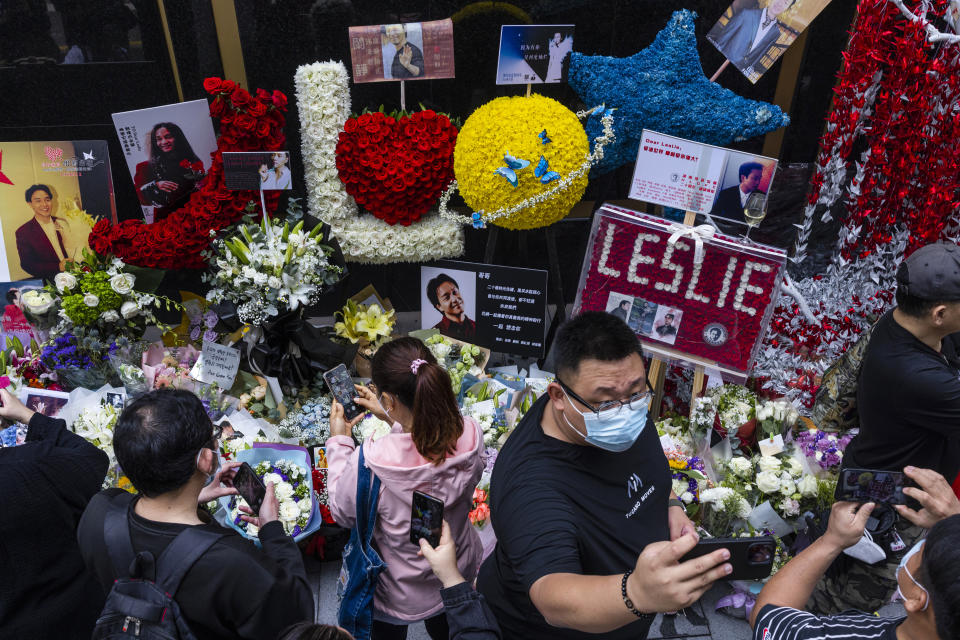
(675, 502)
(629, 603)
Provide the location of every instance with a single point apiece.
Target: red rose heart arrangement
(248, 122)
(396, 168)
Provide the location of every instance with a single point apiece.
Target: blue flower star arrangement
(663, 88)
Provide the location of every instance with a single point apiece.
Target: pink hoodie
(408, 590)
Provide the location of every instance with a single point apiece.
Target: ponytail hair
(406, 368)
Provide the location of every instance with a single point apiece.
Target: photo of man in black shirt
(589, 532)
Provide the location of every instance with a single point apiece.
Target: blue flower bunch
(65, 353)
(310, 424)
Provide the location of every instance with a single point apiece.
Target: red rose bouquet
(396, 166)
(248, 122)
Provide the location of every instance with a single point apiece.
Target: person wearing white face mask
(926, 581)
(589, 533)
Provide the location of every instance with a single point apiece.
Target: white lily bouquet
(271, 268)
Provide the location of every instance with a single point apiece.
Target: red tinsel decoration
(247, 123)
(910, 176)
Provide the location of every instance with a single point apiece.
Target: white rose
(274, 478)
(679, 486)
(769, 463)
(743, 508)
(110, 316)
(808, 486)
(289, 511)
(252, 529)
(122, 283)
(64, 281)
(686, 497)
(129, 310)
(794, 467)
(39, 302)
(274, 282)
(768, 481)
(91, 300)
(741, 466)
(284, 490)
(305, 505)
(787, 487)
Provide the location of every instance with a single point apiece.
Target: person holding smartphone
(45, 590)
(908, 401)
(431, 449)
(168, 447)
(926, 580)
(589, 532)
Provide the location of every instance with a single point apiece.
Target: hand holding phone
(250, 487)
(751, 558)
(870, 485)
(426, 519)
(341, 386)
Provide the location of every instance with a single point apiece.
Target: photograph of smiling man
(449, 300)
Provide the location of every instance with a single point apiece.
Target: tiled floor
(703, 623)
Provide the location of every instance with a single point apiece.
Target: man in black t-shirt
(588, 531)
(908, 395)
(167, 446)
(908, 400)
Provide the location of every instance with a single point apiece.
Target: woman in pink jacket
(431, 449)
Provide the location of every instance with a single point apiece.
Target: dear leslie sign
(716, 311)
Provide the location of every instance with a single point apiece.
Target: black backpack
(139, 608)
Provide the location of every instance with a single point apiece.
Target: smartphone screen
(250, 487)
(870, 485)
(341, 386)
(426, 519)
(751, 558)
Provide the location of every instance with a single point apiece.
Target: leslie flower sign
(689, 293)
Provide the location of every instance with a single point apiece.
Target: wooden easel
(658, 368)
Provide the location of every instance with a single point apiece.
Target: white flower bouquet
(271, 268)
(288, 467)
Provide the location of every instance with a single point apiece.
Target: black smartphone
(870, 485)
(751, 558)
(426, 519)
(250, 487)
(341, 386)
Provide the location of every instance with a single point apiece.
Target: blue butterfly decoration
(513, 165)
(544, 138)
(602, 111)
(543, 172)
(477, 222)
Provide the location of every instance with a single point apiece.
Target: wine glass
(755, 210)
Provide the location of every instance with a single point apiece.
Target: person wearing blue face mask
(926, 581)
(168, 448)
(589, 533)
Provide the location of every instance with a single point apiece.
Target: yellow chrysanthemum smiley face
(512, 125)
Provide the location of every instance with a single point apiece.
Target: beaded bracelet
(627, 601)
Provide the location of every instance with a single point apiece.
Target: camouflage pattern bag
(835, 405)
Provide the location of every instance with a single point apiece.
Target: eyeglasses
(610, 408)
(215, 438)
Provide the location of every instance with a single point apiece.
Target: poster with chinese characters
(501, 308)
(408, 51)
(168, 151)
(699, 177)
(712, 313)
(51, 195)
(534, 53)
(753, 34)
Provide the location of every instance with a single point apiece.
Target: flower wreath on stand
(323, 99)
(247, 123)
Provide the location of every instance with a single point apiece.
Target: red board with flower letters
(644, 270)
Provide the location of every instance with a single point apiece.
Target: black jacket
(468, 615)
(235, 590)
(45, 484)
(37, 255)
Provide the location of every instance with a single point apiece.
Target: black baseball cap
(932, 273)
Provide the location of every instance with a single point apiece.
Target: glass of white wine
(755, 210)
